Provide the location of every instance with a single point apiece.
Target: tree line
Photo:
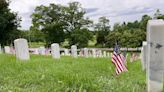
(67, 25)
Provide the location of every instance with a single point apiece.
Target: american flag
(118, 60)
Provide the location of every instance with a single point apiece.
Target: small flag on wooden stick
(118, 60)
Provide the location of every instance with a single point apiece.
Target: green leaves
(8, 23)
(127, 38)
(59, 22)
(54, 33)
(129, 34)
(80, 37)
(103, 29)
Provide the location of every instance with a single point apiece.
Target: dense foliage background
(67, 25)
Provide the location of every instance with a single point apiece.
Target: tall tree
(158, 15)
(117, 27)
(35, 35)
(112, 37)
(143, 22)
(76, 22)
(51, 21)
(129, 34)
(8, 23)
(133, 25)
(81, 37)
(59, 22)
(102, 28)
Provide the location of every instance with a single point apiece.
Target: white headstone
(55, 51)
(155, 58)
(89, 54)
(94, 53)
(21, 49)
(104, 54)
(144, 55)
(7, 50)
(108, 54)
(42, 51)
(36, 51)
(86, 52)
(74, 51)
(81, 54)
(100, 53)
(66, 51)
(97, 53)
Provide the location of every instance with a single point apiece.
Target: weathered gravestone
(42, 51)
(134, 57)
(94, 53)
(55, 50)
(7, 50)
(66, 52)
(74, 51)
(104, 54)
(86, 52)
(36, 51)
(100, 53)
(81, 53)
(144, 55)
(108, 54)
(155, 58)
(89, 53)
(21, 49)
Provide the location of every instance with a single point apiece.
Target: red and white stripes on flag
(119, 61)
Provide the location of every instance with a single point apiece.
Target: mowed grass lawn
(44, 74)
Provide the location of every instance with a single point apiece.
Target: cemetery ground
(68, 74)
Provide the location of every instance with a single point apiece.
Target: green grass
(44, 74)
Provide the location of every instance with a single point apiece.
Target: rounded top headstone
(85, 48)
(73, 46)
(20, 39)
(157, 22)
(55, 44)
(144, 43)
(21, 48)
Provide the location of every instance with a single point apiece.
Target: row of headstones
(85, 52)
(7, 49)
(22, 51)
(94, 53)
(152, 55)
